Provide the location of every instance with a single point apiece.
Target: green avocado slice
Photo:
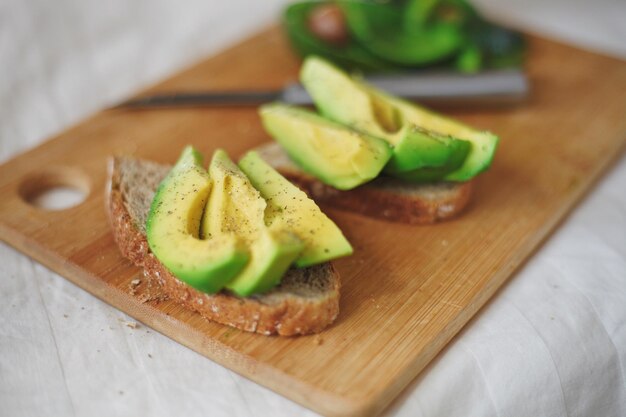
(422, 152)
(173, 226)
(353, 103)
(289, 208)
(271, 255)
(337, 155)
(236, 207)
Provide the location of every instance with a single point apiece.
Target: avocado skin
(379, 27)
(173, 226)
(271, 256)
(352, 56)
(422, 155)
(217, 277)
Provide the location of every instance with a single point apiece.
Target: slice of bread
(306, 301)
(384, 198)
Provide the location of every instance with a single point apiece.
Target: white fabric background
(551, 343)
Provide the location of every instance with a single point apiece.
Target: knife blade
(489, 87)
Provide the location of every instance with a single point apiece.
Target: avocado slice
(236, 207)
(337, 155)
(173, 227)
(289, 207)
(364, 108)
(424, 155)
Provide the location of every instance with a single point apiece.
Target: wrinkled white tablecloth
(551, 343)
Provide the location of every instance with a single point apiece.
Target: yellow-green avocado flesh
(236, 207)
(221, 229)
(173, 227)
(335, 154)
(427, 146)
(289, 208)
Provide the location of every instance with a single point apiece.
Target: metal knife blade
(493, 87)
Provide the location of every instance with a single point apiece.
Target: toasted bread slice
(306, 301)
(384, 198)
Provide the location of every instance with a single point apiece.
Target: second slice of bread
(384, 198)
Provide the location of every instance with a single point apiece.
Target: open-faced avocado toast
(243, 246)
(373, 153)
(237, 243)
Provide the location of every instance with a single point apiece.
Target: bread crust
(383, 198)
(266, 314)
(377, 203)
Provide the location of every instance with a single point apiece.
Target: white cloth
(552, 342)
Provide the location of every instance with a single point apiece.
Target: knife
(489, 87)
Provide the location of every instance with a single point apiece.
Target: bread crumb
(145, 298)
(318, 340)
(131, 324)
(445, 209)
(132, 286)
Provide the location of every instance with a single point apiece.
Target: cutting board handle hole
(56, 188)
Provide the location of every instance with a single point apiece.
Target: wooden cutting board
(407, 290)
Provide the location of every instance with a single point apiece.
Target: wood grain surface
(407, 290)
